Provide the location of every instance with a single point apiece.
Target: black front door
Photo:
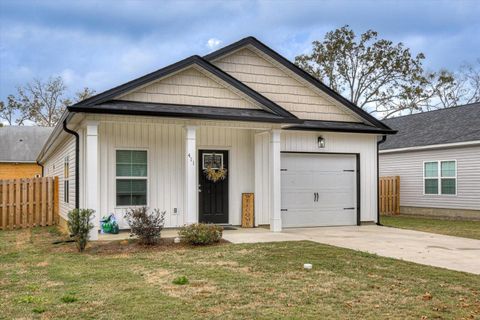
(212, 196)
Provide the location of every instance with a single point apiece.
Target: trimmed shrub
(201, 233)
(79, 226)
(146, 226)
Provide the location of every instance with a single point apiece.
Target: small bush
(180, 280)
(38, 310)
(68, 298)
(146, 226)
(79, 226)
(201, 233)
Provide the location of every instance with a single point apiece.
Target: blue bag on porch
(109, 224)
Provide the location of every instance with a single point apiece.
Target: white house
(437, 156)
(308, 155)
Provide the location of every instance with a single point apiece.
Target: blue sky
(101, 44)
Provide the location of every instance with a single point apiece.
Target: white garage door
(318, 190)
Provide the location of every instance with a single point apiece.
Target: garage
(318, 189)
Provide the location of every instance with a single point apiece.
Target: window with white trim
(66, 180)
(131, 177)
(440, 177)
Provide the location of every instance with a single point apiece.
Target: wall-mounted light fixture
(321, 142)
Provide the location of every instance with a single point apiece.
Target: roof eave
(179, 115)
(66, 116)
(346, 130)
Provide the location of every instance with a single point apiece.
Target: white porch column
(191, 188)
(92, 181)
(275, 189)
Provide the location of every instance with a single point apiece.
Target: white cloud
(213, 43)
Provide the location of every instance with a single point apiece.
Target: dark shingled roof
(451, 125)
(177, 110)
(22, 143)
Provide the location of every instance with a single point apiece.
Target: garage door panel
(296, 179)
(307, 218)
(297, 200)
(339, 199)
(325, 179)
(331, 176)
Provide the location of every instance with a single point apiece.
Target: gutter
(384, 138)
(77, 163)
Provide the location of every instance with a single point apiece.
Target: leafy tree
(373, 73)
(85, 93)
(8, 112)
(384, 78)
(41, 102)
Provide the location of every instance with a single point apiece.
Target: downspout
(41, 165)
(77, 163)
(384, 137)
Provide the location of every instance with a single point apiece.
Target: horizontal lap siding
(189, 87)
(409, 166)
(275, 84)
(54, 167)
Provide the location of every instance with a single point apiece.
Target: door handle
(315, 196)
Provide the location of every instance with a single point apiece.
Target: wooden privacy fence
(390, 195)
(27, 203)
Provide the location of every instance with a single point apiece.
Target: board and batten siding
(409, 166)
(190, 87)
(296, 141)
(165, 143)
(54, 167)
(274, 83)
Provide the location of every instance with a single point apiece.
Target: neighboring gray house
(437, 156)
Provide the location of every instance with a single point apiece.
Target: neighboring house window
(440, 177)
(131, 180)
(66, 177)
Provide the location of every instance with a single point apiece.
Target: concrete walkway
(455, 253)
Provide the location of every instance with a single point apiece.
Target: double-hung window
(66, 180)
(440, 177)
(131, 177)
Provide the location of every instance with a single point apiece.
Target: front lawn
(459, 228)
(251, 281)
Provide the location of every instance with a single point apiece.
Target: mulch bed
(128, 246)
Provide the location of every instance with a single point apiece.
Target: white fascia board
(433, 146)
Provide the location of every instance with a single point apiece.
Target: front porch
(172, 169)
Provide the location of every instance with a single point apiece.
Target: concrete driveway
(437, 250)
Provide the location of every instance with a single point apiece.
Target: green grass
(261, 281)
(459, 228)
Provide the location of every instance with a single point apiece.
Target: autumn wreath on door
(213, 167)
